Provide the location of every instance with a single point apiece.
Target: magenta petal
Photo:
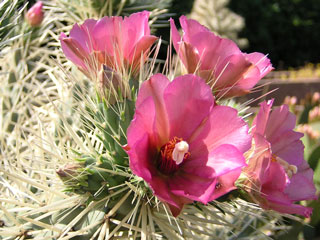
(193, 187)
(188, 100)
(211, 134)
(225, 184)
(225, 159)
(275, 178)
(197, 185)
(143, 122)
(140, 161)
(292, 209)
(154, 88)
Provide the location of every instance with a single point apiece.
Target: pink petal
(260, 121)
(187, 53)
(301, 185)
(261, 62)
(176, 38)
(225, 158)
(223, 126)
(105, 35)
(83, 35)
(275, 179)
(154, 88)
(258, 163)
(230, 71)
(280, 121)
(142, 47)
(205, 41)
(188, 100)
(133, 29)
(288, 147)
(69, 48)
(198, 185)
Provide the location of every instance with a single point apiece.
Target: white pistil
(180, 149)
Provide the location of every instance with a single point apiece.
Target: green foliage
(286, 29)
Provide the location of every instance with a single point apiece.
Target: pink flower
(182, 144)
(35, 15)
(219, 61)
(113, 41)
(278, 174)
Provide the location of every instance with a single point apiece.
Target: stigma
(172, 154)
(180, 149)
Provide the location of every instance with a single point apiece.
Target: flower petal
(141, 48)
(70, 50)
(188, 100)
(280, 121)
(211, 134)
(83, 35)
(199, 182)
(301, 185)
(154, 88)
(261, 62)
(260, 121)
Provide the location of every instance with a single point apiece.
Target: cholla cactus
(116, 153)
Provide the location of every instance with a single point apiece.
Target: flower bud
(69, 170)
(111, 84)
(35, 15)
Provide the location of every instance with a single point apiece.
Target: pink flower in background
(182, 144)
(278, 174)
(113, 41)
(35, 14)
(219, 61)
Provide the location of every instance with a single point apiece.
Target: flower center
(289, 169)
(172, 155)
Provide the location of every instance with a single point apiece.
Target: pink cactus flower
(35, 15)
(113, 41)
(219, 61)
(278, 174)
(182, 144)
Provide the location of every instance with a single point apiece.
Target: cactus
(64, 172)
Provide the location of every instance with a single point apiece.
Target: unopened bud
(69, 170)
(35, 15)
(111, 84)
